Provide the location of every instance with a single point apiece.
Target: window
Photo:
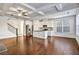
(66, 25)
(59, 26)
(63, 25)
(66, 29)
(59, 29)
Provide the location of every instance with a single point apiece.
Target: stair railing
(13, 30)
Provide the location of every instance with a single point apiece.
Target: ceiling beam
(32, 8)
(47, 6)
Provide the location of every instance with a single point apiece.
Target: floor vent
(3, 48)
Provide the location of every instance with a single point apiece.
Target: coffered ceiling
(31, 10)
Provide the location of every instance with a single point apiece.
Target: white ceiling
(49, 8)
(38, 9)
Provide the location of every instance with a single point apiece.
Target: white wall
(4, 33)
(36, 25)
(77, 26)
(16, 23)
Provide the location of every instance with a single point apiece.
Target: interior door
(29, 30)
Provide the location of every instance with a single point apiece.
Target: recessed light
(19, 14)
(41, 12)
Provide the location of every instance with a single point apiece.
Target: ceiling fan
(17, 12)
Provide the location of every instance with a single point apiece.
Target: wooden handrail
(12, 26)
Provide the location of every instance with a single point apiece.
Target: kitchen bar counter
(42, 34)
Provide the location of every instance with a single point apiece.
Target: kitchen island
(43, 35)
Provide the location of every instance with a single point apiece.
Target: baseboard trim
(10, 37)
(62, 37)
(37, 37)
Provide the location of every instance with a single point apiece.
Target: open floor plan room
(39, 28)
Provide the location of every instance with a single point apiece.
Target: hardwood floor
(56, 46)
